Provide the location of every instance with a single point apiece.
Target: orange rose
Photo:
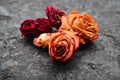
(84, 24)
(42, 40)
(62, 45)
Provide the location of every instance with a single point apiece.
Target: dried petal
(42, 40)
(54, 15)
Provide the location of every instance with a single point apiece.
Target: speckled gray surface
(21, 60)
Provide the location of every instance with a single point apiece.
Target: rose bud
(54, 15)
(62, 45)
(42, 40)
(35, 27)
(84, 24)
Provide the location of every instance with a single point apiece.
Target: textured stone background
(21, 60)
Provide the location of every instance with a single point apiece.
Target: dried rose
(84, 24)
(43, 25)
(28, 28)
(54, 15)
(35, 27)
(42, 40)
(62, 45)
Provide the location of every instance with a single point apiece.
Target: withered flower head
(62, 45)
(32, 27)
(84, 24)
(43, 25)
(54, 15)
(28, 28)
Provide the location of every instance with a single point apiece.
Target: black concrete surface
(21, 60)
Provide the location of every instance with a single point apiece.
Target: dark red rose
(54, 15)
(43, 25)
(28, 28)
(35, 27)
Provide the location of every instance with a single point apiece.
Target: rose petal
(42, 40)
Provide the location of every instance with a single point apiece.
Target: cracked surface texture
(21, 60)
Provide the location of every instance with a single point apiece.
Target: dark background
(21, 60)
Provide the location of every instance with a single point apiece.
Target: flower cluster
(61, 44)
(34, 28)
(73, 29)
